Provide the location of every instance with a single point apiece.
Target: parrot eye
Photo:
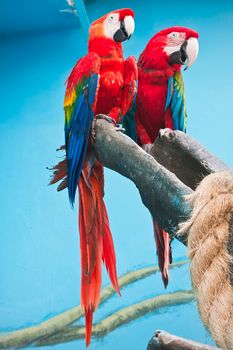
(173, 35)
(113, 18)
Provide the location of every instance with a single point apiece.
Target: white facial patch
(111, 25)
(170, 49)
(174, 42)
(129, 25)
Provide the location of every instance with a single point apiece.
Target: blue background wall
(39, 246)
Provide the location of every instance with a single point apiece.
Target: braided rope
(210, 245)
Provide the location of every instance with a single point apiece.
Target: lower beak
(187, 54)
(121, 34)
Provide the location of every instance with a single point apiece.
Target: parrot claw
(119, 128)
(165, 131)
(61, 148)
(106, 117)
(147, 147)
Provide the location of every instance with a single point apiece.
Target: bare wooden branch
(121, 317)
(161, 191)
(56, 324)
(176, 165)
(165, 341)
(184, 156)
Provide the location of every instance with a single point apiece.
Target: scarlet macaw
(101, 82)
(160, 102)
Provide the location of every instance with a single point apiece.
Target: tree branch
(119, 318)
(165, 341)
(176, 165)
(55, 325)
(161, 191)
(184, 156)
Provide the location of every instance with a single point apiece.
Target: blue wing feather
(77, 134)
(176, 100)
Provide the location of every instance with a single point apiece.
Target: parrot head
(173, 47)
(117, 26)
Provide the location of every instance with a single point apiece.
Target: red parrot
(160, 102)
(101, 82)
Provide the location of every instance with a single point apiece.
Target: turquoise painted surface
(39, 247)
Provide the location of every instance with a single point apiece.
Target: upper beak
(187, 54)
(191, 51)
(126, 29)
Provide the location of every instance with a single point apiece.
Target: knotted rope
(210, 246)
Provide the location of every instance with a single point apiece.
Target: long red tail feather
(96, 243)
(163, 240)
(109, 257)
(88, 322)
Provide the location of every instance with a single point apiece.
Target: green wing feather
(176, 101)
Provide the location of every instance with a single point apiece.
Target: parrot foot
(147, 147)
(106, 117)
(119, 128)
(61, 148)
(168, 132)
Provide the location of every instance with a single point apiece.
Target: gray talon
(147, 147)
(119, 128)
(162, 132)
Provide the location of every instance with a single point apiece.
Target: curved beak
(187, 53)
(126, 29)
(192, 49)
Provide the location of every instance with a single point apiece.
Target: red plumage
(114, 96)
(159, 63)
